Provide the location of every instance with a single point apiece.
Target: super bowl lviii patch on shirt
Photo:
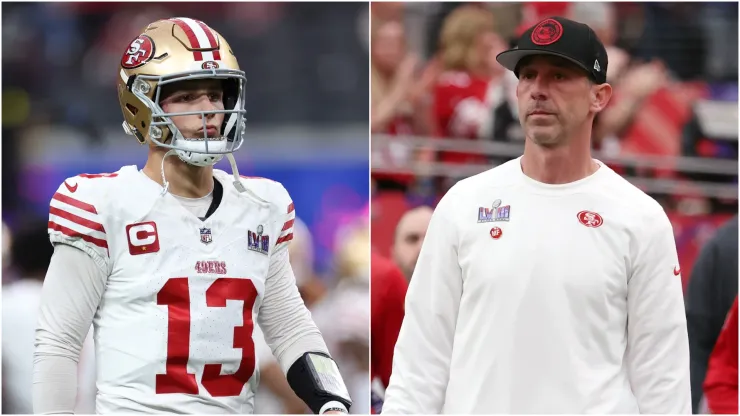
(495, 213)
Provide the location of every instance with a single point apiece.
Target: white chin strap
(193, 152)
(198, 159)
(234, 170)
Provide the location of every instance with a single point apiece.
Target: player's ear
(600, 96)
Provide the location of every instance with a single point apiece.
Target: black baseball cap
(561, 37)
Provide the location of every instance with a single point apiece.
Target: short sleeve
(286, 218)
(75, 219)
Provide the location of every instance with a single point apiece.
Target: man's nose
(205, 104)
(539, 88)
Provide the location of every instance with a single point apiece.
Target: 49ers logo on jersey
(139, 52)
(142, 238)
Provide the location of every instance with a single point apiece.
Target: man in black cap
(548, 284)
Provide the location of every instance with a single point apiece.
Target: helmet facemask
(200, 151)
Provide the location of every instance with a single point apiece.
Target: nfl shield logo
(205, 236)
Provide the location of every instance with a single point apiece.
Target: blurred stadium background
(307, 109)
(671, 128)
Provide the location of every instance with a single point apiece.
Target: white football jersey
(173, 331)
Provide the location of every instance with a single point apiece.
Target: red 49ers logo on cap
(139, 52)
(142, 238)
(547, 32)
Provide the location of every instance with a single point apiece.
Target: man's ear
(600, 96)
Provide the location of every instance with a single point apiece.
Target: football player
(175, 263)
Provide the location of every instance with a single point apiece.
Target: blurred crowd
(306, 67)
(444, 109)
(434, 74)
(307, 72)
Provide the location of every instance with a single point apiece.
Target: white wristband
(333, 405)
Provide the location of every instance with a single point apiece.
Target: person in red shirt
(473, 84)
(720, 384)
(398, 98)
(388, 294)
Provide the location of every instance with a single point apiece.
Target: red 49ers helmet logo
(209, 65)
(547, 32)
(139, 52)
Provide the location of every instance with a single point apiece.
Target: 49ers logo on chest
(139, 52)
(590, 219)
(259, 242)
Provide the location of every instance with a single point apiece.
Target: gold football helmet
(175, 50)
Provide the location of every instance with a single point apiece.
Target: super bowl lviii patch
(258, 241)
(495, 213)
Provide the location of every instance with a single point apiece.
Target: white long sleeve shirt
(173, 299)
(537, 298)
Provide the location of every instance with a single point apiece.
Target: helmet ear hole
(231, 93)
(133, 110)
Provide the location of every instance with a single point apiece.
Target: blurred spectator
(710, 294)
(301, 251)
(387, 10)
(633, 81)
(720, 386)
(343, 315)
(30, 255)
(400, 105)
(410, 232)
(533, 12)
(474, 97)
(388, 294)
(602, 18)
